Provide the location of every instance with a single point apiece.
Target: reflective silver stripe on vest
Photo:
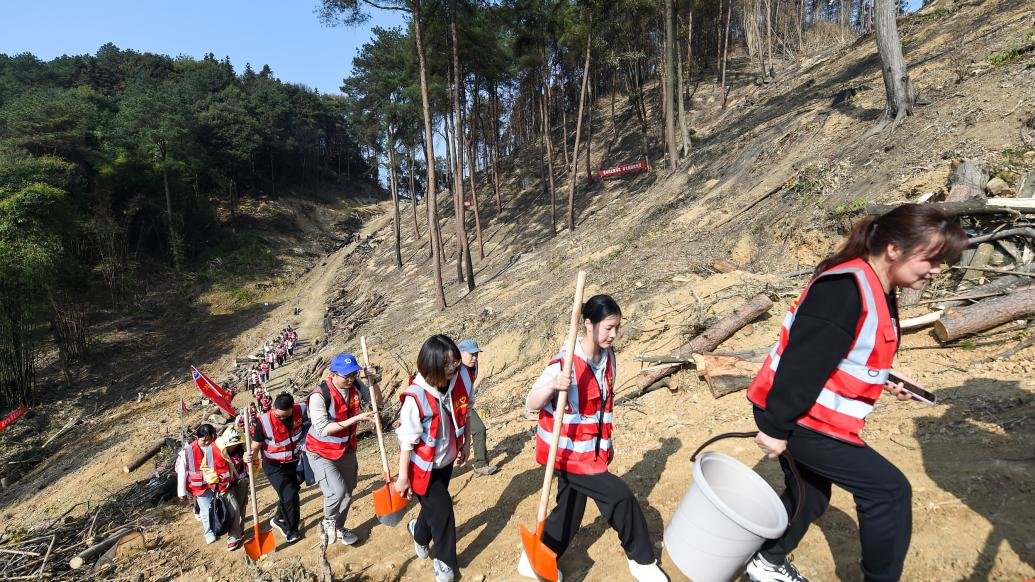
(421, 463)
(847, 406)
(586, 446)
(332, 413)
(299, 441)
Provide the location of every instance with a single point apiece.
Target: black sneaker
(760, 570)
(292, 537)
(279, 525)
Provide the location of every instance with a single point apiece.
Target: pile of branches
(65, 547)
(993, 282)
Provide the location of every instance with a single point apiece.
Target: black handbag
(220, 514)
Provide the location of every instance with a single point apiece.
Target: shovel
(540, 556)
(389, 506)
(261, 543)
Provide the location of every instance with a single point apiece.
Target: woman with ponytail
(828, 368)
(585, 448)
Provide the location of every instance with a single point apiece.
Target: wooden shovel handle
(251, 471)
(562, 397)
(373, 402)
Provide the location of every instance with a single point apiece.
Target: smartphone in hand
(915, 391)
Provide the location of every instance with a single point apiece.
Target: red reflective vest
(585, 445)
(194, 456)
(850, 392)
(280, 445)
(422, 458)
(334, 446)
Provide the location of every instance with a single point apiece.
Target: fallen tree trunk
(97, 549)
(143, 457)
(999, 284)
(963, 321)
(1012, 206)
(711, 337)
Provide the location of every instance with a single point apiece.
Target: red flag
(10, 418)
(183, 407)
(213, 392)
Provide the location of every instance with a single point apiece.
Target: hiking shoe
(279, 525)
(330, 530)
(443, 573)
(422, 551)
(346, 536)
(525, 568)
(485, 469)
(292, 537)
(647, 572)
(232, 543)
(760, 570)
(209, 538)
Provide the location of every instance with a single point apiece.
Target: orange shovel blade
(542, 558)
(260, 544)
(389, 506)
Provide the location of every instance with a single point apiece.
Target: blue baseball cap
(469, 346)
(344, 364)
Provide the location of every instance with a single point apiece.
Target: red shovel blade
(540, 556)
(389, 505)
(260, 544)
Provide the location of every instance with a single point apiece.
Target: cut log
(967, 181)
(725, 374)
(910, 297)
(140, 460)
(980, 260)
(711, 337)
(126, 547)
(1012, 206)
(1026, 231)
(97, 549)
(963, 321)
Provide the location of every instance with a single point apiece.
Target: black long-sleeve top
(823, 332)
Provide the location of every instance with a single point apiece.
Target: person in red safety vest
(433, 435)
(206, 472)
(280, 437)
(829, 366)
(585, 447)
(335, 408)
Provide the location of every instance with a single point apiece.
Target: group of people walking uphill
(831, 362)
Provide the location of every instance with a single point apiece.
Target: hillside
(773, 181)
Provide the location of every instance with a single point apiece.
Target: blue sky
(285, 34)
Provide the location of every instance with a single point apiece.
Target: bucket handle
(786, 454)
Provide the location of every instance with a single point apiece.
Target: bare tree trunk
(495, 148)
(548, 139)
(394, 187)
(174, 239)
(683, 130)
(725, 55)
(573, 173)
(472, 125)
(429, 155)
(590, 94)
(769, 35)
(669, 91)
(458, 132)
(564, 126)
(897, 86)
(413, 192)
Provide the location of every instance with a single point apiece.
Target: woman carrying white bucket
(828, 368)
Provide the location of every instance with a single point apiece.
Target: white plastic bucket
(723, 519)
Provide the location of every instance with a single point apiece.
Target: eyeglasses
(453, 365)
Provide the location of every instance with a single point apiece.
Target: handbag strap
(786, 454)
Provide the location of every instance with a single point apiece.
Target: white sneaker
(647, 572)
(329, 530)
(209, 538)
(525, 568)
(760, 570)
(422, 551)
(443, 573)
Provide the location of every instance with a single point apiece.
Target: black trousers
(436, 524)
(616, 503)
(282, 477)
(883, 500)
